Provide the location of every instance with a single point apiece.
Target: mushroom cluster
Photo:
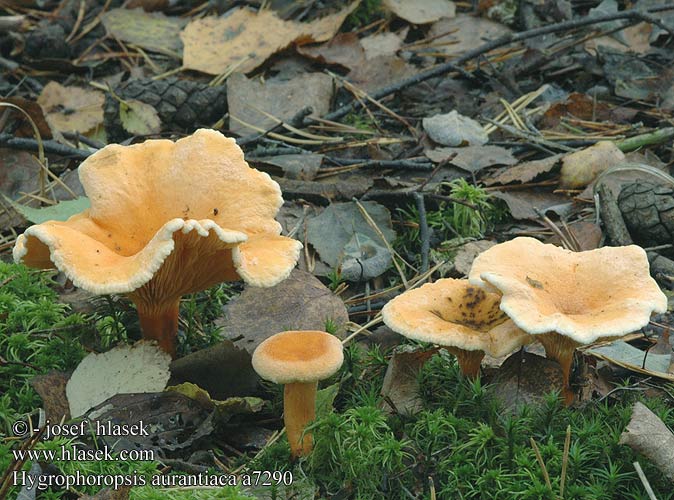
(523, 290)
(167, 219)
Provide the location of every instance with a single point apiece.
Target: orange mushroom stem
(561, 349)
(469, 361)
(299, 409)
(160, 324)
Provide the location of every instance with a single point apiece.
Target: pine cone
(648, 212)
(182, 105)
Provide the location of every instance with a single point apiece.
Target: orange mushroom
(166, 219)
(566, 298)
(463, 318)
(298, 359)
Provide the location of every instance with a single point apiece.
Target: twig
(530, 136)
(644, 481)
(633, 14)
(297, 119)
(423, 231)
(565, 460)
(402, 164)
(53, 147)
(539, 458)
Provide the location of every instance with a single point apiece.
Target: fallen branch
(53, 147)
(648, 435)
(633, 15)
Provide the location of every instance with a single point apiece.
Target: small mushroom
(462, 317)
(298, 359)
(570, 298)
(152, 231)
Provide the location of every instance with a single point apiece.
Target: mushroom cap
(185, 215)
(452, 312)
(605, 292)
(298, 356)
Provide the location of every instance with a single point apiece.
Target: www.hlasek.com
(74, 452)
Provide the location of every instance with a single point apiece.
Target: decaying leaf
(524, 172)
(344, 49)
(421, 11)
(380, 71)
(453, 129)
(647, 435)
(223, 369)
(139, 118)
(300, 302)
(296, 166)
(224, 409)
(626, 355)
(464, 32)
(467, 253)
(155, 32)
(249, 100)
(523, 204)
(525, 378)
(52, 390)
(341, 229)
(400, 388)
(382, 44)
(581, 167)
(587, 234)
(126, 369)
(473, 158)
(69, 109)
(243, 39)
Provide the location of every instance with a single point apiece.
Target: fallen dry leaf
(466, 31)
(467, 253)
(155, 32)
(295, 166)
(344, 49)
(453, 129)
(421, 11)
(473, 158)
(247, 99)
(139, 118)
(244, 39)
(380, 71)
(23, 126)
(524, 172)
(581, 167)
(69, 109)
(522, 204)
(300, 302)
(400, 388)
(52, 390)
(382, 44)
(587, 234)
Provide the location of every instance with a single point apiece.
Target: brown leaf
(473, 158)
(300, 302)
(637, 38)
(524, 172)
(344, 49)
(280, 98)
(52, 390)
(69, 109)
(401, 382)
(586, 233)
(467, 31)
(421, 11)
(467, 253)
(381, 71)
(299, 166)
(524, 378)
(25, 129)
(521, 204)
(244, 39)
(382, 44)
